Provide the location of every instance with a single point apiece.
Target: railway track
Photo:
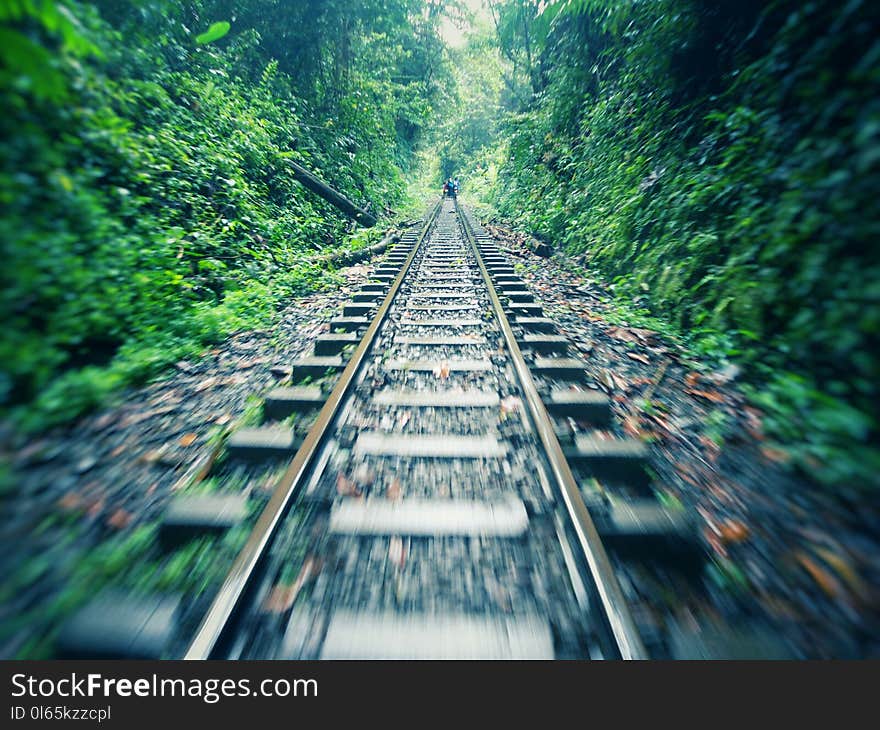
(442, 503)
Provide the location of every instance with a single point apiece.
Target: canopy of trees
(148, 207)
(719, 163)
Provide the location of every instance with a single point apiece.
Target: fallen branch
(332, 196)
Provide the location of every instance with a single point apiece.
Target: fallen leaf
(606, 379)
(714, 540)
(844, 570)
(734, 531)
(690, 380)
(708, 395)
(102, 422)
(396, 552)
(120, 519)
(442, 371)
(777, 456)
(205, 384)
(393, 492)
(827, 582)
(345, 487)
(247, 364)
(282, 597)
(631, 425)
(639, 358)
(753, 423)
(712, 449)
(153, 456)
(632, 334)
(70, 502)
(188, 439)
(96, 507)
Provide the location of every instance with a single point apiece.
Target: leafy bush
(148, 207)
(720, 164)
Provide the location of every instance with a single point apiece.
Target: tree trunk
(332, 196)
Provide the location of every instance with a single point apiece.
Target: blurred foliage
(720, 164)
(147, 204)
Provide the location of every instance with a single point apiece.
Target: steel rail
(623, 628)
(216, 622)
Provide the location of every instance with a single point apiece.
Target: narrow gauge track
(438, 512)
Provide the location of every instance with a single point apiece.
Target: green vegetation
(148, 209)
(719, 164)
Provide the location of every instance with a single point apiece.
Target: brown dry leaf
(827, 582)
(282, 597)
(611, 381)
(222, 420)
(711, 448)
(708, 395)
(442, 370)
(394, 490)
(71, 502)
(621, 333)
(777, 456)
(102, 422)
(844, 570)
(247, 364)
(188, 439)
(397, 552)
(153, 456)
(753, 423)
(345, 487)
(120, 519)
(205, 384)
(645, 336)
(691, 379)
(631, 425)
(638, 357)
(632, 334)
(733, 531)
(96, 507)
(667, 430)
(684, 473)
(714, 541)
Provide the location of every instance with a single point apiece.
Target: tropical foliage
(148, 208)
(719, 163)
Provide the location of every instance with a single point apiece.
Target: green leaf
(215, 32)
